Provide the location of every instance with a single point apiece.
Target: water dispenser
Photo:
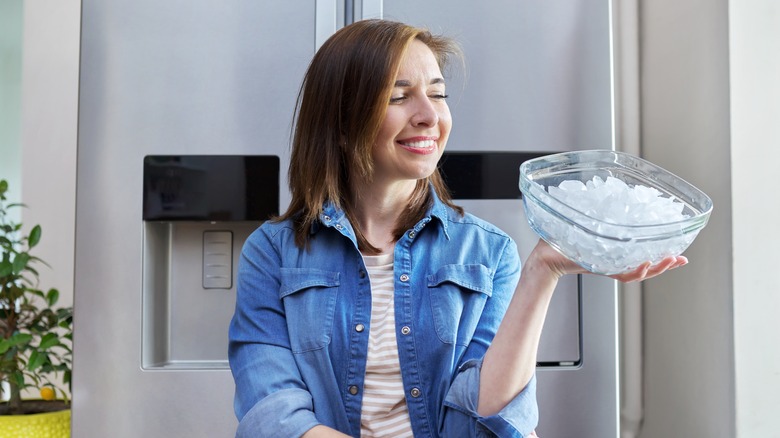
(197, 212)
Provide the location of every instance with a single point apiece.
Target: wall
(689, 351)
(755, 152)
(10, 98)
(49, 120)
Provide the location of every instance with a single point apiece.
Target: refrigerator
(185, 117)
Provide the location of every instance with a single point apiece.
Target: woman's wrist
(547, 262)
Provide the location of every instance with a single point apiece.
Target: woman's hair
(341, 106)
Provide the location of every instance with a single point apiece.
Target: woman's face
(415, 130)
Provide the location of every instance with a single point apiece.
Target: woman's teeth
(419, 144)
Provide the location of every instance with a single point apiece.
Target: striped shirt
(384, 412)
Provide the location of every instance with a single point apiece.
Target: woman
(374, 306)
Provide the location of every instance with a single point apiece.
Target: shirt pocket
(458, 294)
(309, 297)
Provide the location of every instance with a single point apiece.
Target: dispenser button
(217, 259)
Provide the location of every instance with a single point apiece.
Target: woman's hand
(321, 431)
(560, 265)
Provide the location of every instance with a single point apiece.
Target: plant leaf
(5, 268)
(52, 296)
(33, 357)
(4, 346)
(35, 236)
(20, 262)
(48, 340)
(18, 378)
(37, 360)
(19, 339)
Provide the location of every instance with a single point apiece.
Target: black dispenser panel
(484, 175)
(210, 187)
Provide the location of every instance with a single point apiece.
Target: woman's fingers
(646, 270)
(665, 265)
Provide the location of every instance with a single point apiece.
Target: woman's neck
(377, 209)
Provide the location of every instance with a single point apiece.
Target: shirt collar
(332, 215)
(438, 210)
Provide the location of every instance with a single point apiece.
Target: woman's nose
(425, 113)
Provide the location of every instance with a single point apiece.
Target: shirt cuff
(287, 412)
(518, 418)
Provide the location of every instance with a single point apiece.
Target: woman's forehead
(419, 62)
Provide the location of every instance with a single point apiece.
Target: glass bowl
(600, 245)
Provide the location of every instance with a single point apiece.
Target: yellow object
(46, 425)
(47, 393)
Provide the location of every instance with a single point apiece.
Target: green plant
(35, 337)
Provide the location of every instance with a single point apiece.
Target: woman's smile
(419, 145)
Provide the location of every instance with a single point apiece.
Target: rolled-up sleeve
(518, 418)
(297, 418)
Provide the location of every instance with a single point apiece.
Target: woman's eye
(402, 98)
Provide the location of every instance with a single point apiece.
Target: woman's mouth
(421, 146)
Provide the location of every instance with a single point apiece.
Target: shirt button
(362, 274)
(405, 330)
(412, 234)
(353, 390)
(327, 218)
(359, 328)
(415, 392)
(339, 227)
(404, 278)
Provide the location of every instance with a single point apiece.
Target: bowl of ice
(611, 211)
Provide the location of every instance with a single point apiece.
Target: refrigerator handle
(371, 9)
(325, 21)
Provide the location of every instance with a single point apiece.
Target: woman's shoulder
(272, 230)
(469, 222)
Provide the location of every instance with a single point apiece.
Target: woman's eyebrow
(401, 83)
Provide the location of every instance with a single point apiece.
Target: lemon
(47, 393)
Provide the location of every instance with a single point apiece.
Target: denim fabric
(297, 351)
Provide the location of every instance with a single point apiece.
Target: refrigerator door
(538, 79)
(170, 78)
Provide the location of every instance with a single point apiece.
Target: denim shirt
(299, 335)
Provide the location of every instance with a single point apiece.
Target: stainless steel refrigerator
(181, 103)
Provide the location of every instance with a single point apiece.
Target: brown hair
(341, 106)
